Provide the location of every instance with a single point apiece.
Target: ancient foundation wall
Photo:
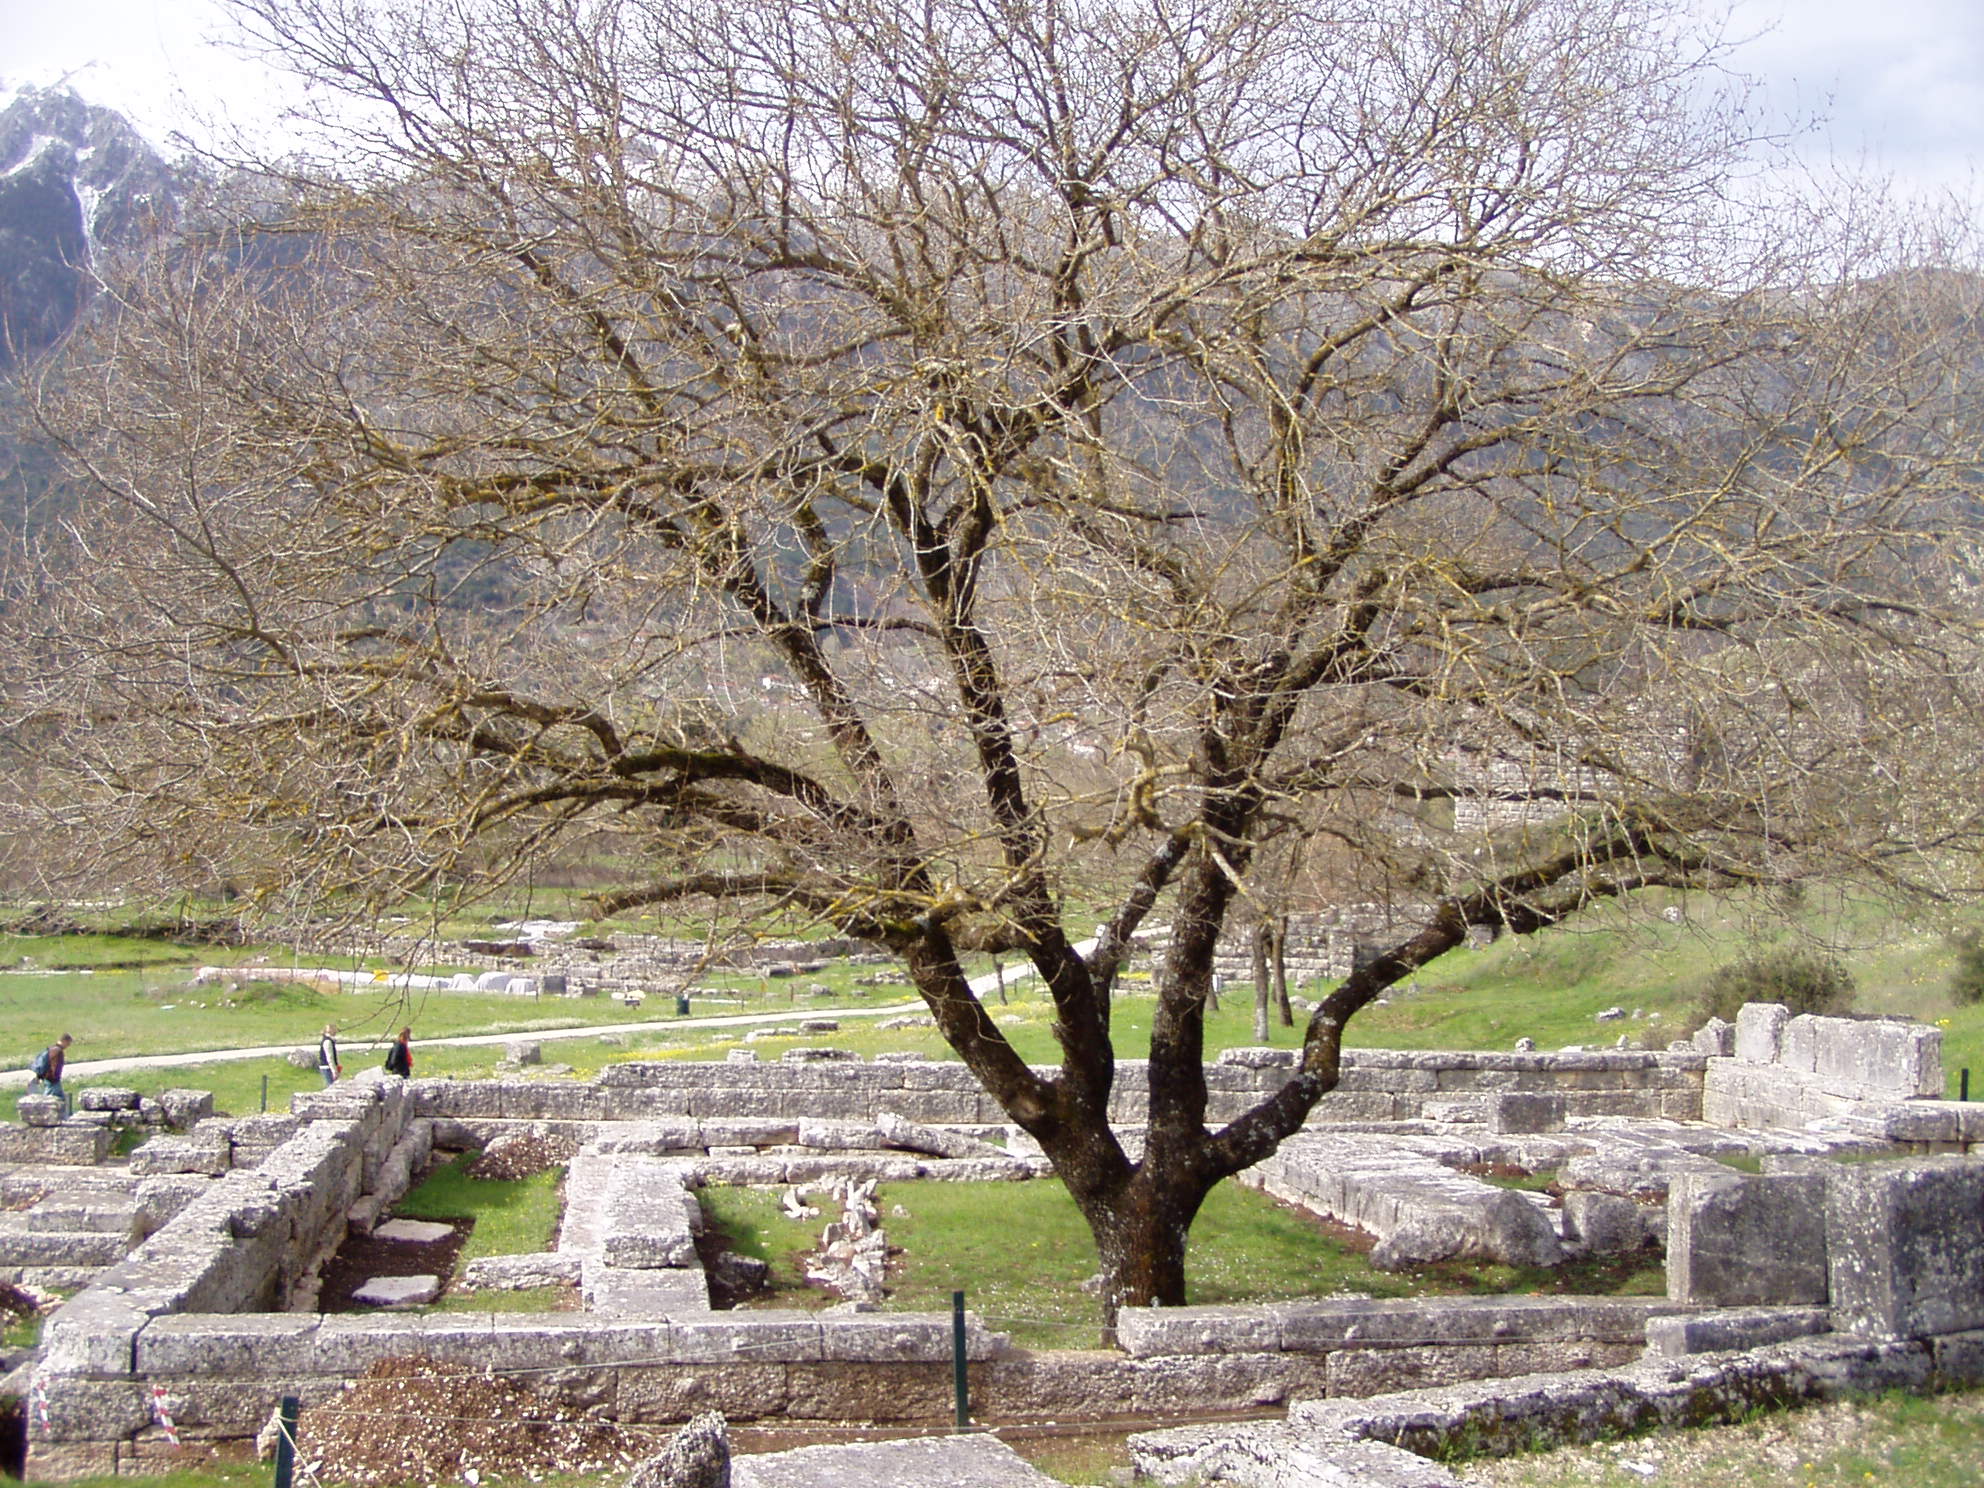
(218, 1377)
(1376, 1085)
(190, 1326)
(1881, 1079)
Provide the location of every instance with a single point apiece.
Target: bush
(1967, 976)
(1804, 981)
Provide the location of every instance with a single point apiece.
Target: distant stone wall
(595, 965)
(1324, 944)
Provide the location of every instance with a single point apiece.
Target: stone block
(955, 1107)
(347, 1344)
(1526, 1111)
(983, 1169)
(803, 1167)
(71, 1143)
(1760, 1031)
(1169, 1386)
(521, 1272)
(1886, 1056)
(1144, 1332)
(1905, 1254)
(397, 1291)
(94, 1333)
(417, 1231)
(673, 1392)
(1798, 1043)
(1958, 1360)
(1319, 1327)
(59, 1462)
(1733, 1328)
(106, 1098)
(955, 1461)
(1605, 1223)
(1721, 1229)
(40, 1110)
(1263, 1453)
(653, 1138)
(185, 1108)
(1716, 1038)
(615, 1292)
(900, 1338)
(164, 1196)
(784, 1337)
(62, 1248)
(1377, 1371)
(189, 1154)
(261, 1344)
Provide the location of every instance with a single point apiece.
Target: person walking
(399, 1058)
(327, 1054)
(47, 1070)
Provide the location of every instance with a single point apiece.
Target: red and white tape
(163, 1416)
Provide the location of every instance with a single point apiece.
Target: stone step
(75, 1215)
(62, 1248)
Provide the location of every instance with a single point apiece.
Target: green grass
(206, 1474)
(513, 1216)
(1934, 1441)
(1020, 1252)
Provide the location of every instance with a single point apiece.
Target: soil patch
(420, 1421)
(363, 1257)
(522, 1155)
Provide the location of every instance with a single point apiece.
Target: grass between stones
(1021, 1253)
(512, 1216)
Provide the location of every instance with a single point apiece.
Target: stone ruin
(200, 1306)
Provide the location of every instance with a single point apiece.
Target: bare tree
(900, 465)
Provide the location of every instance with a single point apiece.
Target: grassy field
(1021, 1252)
(127, 996)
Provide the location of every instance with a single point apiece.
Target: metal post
(1963, 1083)
(265, 1095)
(958, 1379)
(286, 1442)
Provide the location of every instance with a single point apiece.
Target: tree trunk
(1279, 952)
(1262, 991)
(1140, 1237)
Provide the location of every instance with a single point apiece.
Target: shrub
(1804, 981)
(1967, 976)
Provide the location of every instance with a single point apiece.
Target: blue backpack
(39, 1069)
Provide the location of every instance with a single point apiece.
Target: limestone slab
(398, 1291)
(954, 1461)
(413, 1231)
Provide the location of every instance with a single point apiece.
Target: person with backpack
(399, 1058)
(327, 1054)
(47, 1070)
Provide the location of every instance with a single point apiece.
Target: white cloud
(1900, 83)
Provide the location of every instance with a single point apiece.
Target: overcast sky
(1901, 81)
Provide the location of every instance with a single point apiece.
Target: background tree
(911, 467)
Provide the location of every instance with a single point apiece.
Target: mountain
(76, 181)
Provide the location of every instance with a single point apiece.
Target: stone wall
(1377, 1085)
(1880, 1079)
(197, 1308)
(186, 1311)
